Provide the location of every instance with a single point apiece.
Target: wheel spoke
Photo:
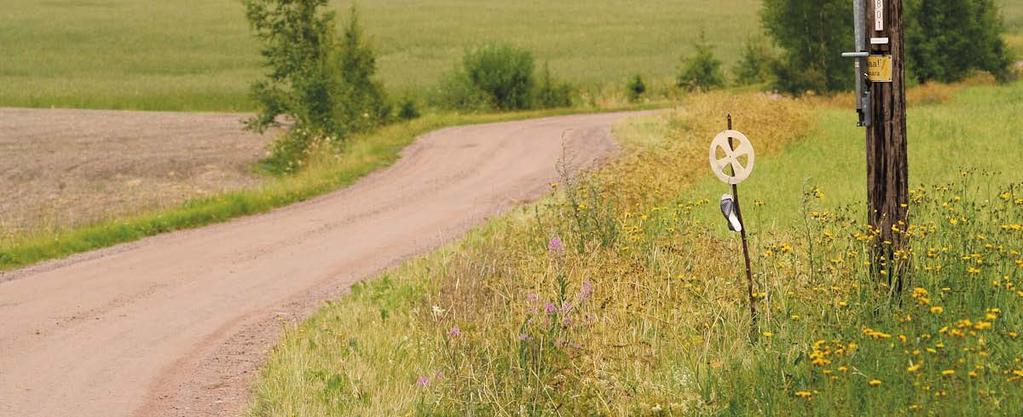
(738, 170)
(743, 149)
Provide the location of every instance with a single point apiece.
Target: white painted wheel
(732, 157)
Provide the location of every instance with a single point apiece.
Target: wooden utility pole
(887, 162)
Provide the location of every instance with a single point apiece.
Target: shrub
(408, 110)
(636, 88)
(362, 103)
(702, 71)
(298, 41)
(492, 76)
(551, 93)
(321, 84)
(755, 64)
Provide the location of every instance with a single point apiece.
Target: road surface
(178, 324)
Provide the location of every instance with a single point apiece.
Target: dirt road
(177, 325)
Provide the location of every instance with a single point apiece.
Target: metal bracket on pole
(861, 54)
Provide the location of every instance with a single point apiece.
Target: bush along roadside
(323, 85)
(500, 77)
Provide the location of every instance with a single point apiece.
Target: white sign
(879, 15)
(879, 41)
(732, 157)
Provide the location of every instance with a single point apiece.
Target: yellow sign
(879, 68)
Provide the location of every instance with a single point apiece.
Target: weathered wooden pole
(745, 243)
(887, 162)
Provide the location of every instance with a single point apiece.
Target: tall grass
(621, 295)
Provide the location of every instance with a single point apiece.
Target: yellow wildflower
(875, 334)
(919, 292)
(804, 394)
(913, 367)
(937, 310)
(874, 382)
(948, 372)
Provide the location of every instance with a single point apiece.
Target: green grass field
(1012, 11)
(639, 308)
(198, 55)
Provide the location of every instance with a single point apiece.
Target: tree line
(946, 41)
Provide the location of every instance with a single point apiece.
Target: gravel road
(178, 324)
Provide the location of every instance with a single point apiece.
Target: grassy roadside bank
(621, 295)
(362, 156)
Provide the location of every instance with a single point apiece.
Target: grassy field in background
(1012, 11)
(622, 294)
(126, 54)
(198, 55)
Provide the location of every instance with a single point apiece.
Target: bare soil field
(62, 168)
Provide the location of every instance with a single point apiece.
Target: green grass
(1012, 12)
(124, 54)
(1015, 43)
(198, 55)
(973, 131)
(658, 323)
(325, 173)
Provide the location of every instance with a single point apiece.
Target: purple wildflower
(423, 381)
(566, 307)
(586, 291)
(555, 245)
(532, 297)
(523, 337)
(454, 332)
(550, 308)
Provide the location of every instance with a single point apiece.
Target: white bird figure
(728, 209)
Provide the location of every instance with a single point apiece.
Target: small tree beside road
(322, 84)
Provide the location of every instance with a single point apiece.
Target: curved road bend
(177, 325)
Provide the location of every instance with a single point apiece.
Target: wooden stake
(745, 246)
